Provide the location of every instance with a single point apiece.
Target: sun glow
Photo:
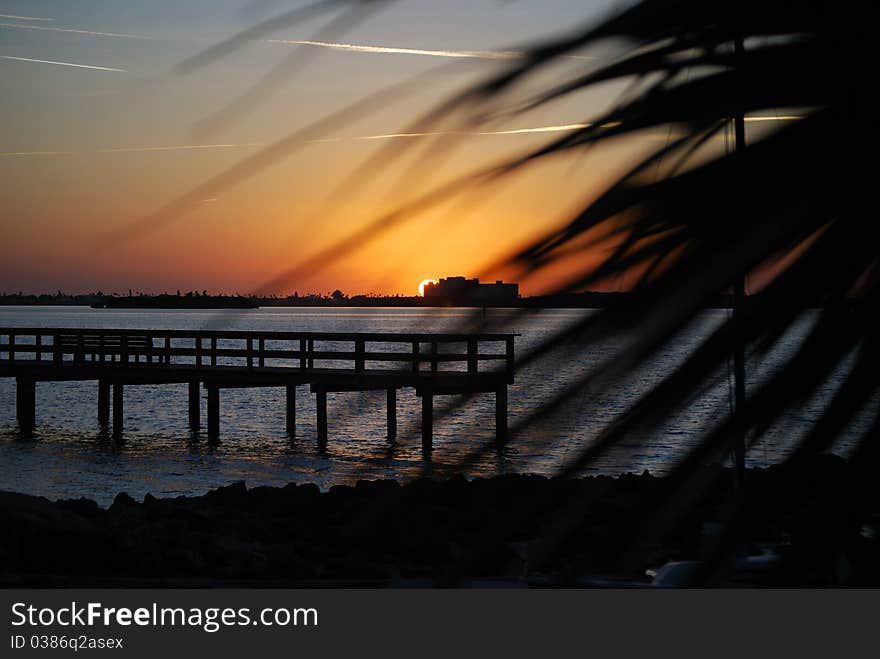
(424, 283)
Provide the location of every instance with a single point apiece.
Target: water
(71, 456)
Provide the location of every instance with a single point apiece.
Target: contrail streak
(49, 61)
(325, 140)
(438, 133)
(471, 54)
(781, 117)
(178, 147)
(384, 136)
(540, 129)
(25, 18)
(119, 35)
(559, 128)
(349, 47)
(134, 149)
(35, 153)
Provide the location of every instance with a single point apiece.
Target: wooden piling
(103, 402)
(26, 403)
(117, 408)
(392, 414)
(291, 410)
(501, 415)
(213, 412)
(427, 420)
(194, 405)
(472, 364)
(321, 409)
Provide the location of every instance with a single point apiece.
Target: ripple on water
(71, 456)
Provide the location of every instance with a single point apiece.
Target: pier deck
(431, 364)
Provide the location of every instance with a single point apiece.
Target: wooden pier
(431, 364)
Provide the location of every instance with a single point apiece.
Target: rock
(122, 501)
(234, 494)
(44, 538)
(82, 506)
(441, 531)
(22, 510)
(340, 491)
(308, 490)
(376, 488)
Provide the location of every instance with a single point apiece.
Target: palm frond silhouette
(691, 220)
(795, 203)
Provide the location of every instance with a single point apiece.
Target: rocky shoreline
(822, 523)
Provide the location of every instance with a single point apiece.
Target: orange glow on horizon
(253, 232)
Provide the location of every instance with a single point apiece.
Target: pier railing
(351, 351)
(432, 364)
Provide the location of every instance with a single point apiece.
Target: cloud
(56, 63)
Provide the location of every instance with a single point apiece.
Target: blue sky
(47, 101)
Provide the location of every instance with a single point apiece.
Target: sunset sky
(100, 133)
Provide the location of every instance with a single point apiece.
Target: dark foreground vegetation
(818, 527)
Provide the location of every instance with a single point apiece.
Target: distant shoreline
(589, 300)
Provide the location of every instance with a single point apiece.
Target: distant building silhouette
(470, 292)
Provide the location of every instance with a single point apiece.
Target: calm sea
(71, 456)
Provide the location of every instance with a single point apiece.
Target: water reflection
(71, 455)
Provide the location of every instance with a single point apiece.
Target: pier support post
(213, 412)
(501, 415)
(117, 408)
(392, 414)
(103, 402)
(291, 410)
(194, 405)
(26, 404)
(321, 408)
(427, 421)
